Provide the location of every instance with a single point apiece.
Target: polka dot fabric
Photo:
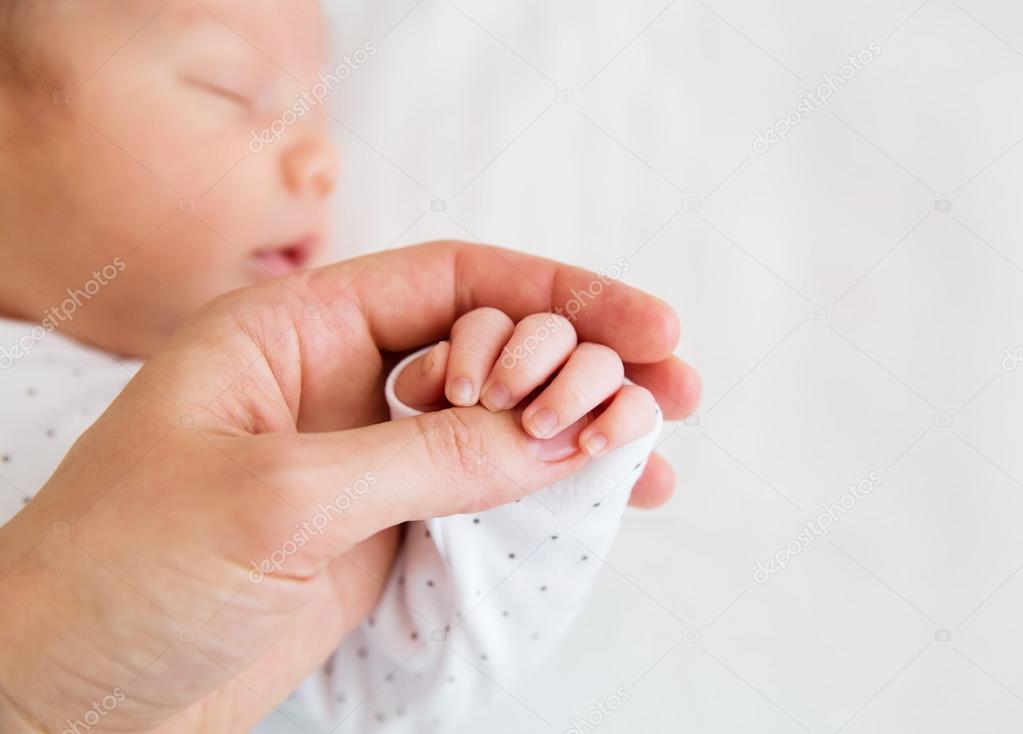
(474, 601)
(51, 390)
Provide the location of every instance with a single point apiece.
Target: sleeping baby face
(168, 152)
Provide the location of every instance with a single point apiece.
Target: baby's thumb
(419, 384)
(453, 461)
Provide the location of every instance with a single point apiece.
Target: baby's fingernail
(560, 447)
(460, 391)
(542, 423)
(595, 443)
(496, 398)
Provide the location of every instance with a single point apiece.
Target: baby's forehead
(289, 33)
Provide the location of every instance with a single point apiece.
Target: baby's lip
(287, 258)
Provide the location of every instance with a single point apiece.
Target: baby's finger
(421, 384)
(476, 342)
(539, 346)
(631, 415)
(593, 374)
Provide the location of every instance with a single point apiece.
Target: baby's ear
(421, 384)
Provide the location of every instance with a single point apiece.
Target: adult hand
(136, 585)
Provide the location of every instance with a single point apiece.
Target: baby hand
(493, 361)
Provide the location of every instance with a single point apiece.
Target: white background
(844, 323)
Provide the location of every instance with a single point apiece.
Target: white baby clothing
(474, 602)
(51, 389)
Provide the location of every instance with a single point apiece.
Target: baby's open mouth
(278, 261)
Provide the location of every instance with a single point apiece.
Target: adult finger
(674, 384)
(359, 481)
(439, 281)
(655, 485)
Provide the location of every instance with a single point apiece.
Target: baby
(125, 131)
(131, 195)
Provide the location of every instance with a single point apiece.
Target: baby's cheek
(186, 264)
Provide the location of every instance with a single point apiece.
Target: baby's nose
(311, 165)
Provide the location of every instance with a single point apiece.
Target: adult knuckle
(456, 448)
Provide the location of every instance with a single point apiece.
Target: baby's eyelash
(222, 91)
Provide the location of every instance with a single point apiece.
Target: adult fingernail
(460, 391)
(542, 423)
(496, 398)
(560, 447)
(595, 443)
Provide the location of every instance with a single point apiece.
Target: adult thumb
(348, 485)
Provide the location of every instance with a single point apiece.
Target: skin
(255, 372)
(191, 640)
(168, 118)
(487, 348)
(200, 77)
